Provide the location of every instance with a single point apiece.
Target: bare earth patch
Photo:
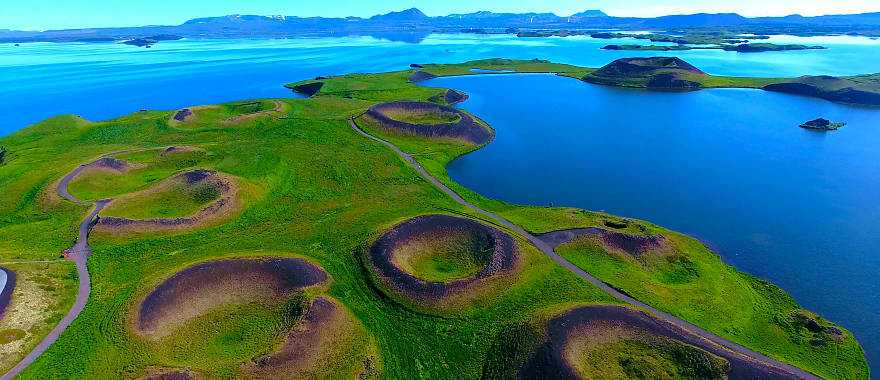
(314, 345)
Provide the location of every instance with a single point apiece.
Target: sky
(66, 14)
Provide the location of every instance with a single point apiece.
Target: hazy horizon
(49, 14)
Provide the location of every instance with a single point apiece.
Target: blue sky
(62, 14)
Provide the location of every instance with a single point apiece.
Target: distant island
(822, 124)
(412, 24)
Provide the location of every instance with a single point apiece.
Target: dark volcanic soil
(199, 288)
(466, 128)
(503, 258)
(183, 114)
(632, 244)
(309, 89)
(549, 362)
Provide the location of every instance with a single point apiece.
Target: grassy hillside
(325, 195)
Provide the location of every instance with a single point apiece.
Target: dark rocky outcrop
(183, 114)
(308, 89)
(451, 97)
(822, 124)
(420, 76)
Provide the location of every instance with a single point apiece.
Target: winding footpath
(79, 254)
(782, 369)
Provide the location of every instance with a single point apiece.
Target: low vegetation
(327, 195)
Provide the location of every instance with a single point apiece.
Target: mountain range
(415, 21)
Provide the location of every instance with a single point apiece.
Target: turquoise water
(728, 166)
(101, 81)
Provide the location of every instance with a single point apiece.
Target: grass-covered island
(740, 48)
(322, 237)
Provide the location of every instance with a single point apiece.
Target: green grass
(175, 201)
(447, 257)
(422, 118)
(327, 193)
(697, 286)
(654, 359)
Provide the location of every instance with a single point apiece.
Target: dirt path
(710, 338)
(79, 254)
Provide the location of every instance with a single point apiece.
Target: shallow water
(731, 167)
(100, 81)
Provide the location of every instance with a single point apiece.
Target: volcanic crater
(575, 344)
(433, 259)
(430, 120)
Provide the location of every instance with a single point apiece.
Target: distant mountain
(590, 13)
(409, 15)
(412, 24)
(697, 20)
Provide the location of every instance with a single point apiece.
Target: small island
(739, 48)
(822, 124)
(147, 42)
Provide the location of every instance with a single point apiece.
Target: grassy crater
(445, 256)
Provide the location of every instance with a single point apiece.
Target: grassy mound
(327, 342)
(188, 200)
(234, 310)
(422, 116)
(433, 259)
(667, 73)
(863, 90)
(179, 196)
(610, 342)
(128, 172)
(429, 120)
(226, 115)
(198, 289)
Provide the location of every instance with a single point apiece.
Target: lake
(101, 81)
(728, 166)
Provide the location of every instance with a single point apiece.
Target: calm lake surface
(101, 81)
(728, 166)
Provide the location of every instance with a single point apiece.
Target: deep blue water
(100, 81)
(731, 167)
(728, 166)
